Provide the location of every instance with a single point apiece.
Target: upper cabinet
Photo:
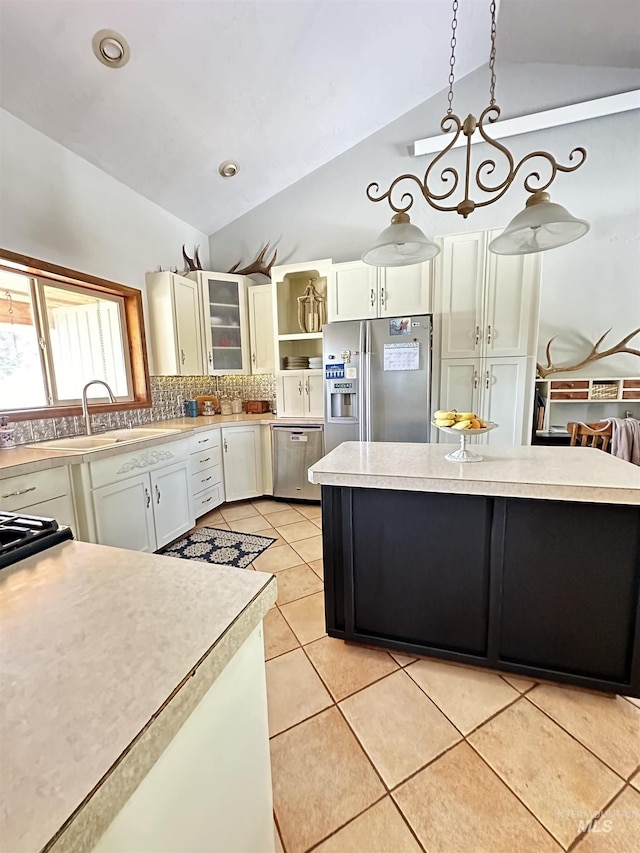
(225, 322)
(488, 303)
(175, 328)
(358, 291)
(261, 328)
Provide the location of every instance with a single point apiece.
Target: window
(57, 335)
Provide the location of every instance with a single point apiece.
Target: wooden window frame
(134, 318)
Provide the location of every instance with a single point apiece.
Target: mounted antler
(192, 264)
(594, 355)
(259, 265)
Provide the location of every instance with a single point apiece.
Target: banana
(445, 422)
(441, 415)
(461, 425)
(465, 416)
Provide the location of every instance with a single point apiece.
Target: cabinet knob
(146, 491)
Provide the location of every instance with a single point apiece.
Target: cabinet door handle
(182, 355)
(487, 379)
(146, 491)
(20, 492)
(373, 297)
(253, 357)
(206, 500)
(475, 378)
(203, 440)
(224, 442)
(206, 480)
(383, 297)
(300, 387)
(306, 387)
(488, 334)
(477, 339)
(158, 495)
(210, 357)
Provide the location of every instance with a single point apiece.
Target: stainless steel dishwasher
(294, 450)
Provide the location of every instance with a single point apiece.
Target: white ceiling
(282, 87)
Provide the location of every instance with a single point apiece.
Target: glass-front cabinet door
(226, 331)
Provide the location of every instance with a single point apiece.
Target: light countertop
(105, 653)
(553, 473)
(26, 458)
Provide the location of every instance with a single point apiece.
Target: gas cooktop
(23, 535)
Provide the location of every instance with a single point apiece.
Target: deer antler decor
(192, 264)
(594, 355)
(259, 265)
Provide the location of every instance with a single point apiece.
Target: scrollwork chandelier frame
(536, 182)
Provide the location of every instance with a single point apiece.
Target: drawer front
(631, 395)
(575, 383)
(205, 440)
(206, 501)
(204, 459)
(59, 508)
(569, 395)
(134, 462)
(206, 479)
(28, 489)
(631, 383)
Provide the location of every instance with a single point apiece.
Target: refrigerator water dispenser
(343, 401)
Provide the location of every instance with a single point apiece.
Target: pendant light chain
(452, 60)
(492, 55)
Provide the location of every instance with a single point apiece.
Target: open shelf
(303, 336)
(584, 399)
(288, 290)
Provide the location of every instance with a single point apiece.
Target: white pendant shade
(400, 245)
(540, 226)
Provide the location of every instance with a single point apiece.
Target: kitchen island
(527, 562)
(133, 699)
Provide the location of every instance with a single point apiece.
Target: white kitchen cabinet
(175, 324)
(124, 515)
(207, 481)
(242, 462)
(47, 493)
(144, 512)
(487, 304)
(358, 291)
(261, 328)
(300, 394)
(225, 324)
(496, 389)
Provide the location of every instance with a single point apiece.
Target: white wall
(586, 287)
(57, 207)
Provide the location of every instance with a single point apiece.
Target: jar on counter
(225, 407)
(236, 406)
(6, 434)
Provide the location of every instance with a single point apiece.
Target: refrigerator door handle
(361, 383)
(367, 395)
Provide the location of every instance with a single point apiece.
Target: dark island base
(538, 588)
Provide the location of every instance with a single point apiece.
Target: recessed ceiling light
(111, 48)
(229, 168)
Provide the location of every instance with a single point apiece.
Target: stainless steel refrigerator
(377, 380)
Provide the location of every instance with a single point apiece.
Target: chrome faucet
(85, 404)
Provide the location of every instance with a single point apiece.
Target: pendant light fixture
(540, 226)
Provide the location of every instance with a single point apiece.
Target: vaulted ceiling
(282, 86)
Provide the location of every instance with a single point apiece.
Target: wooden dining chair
(590, 435)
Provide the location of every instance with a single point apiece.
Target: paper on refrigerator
(402, 356)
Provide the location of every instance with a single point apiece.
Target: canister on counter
(191, 408)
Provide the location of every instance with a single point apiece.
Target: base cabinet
(242, 462)
(567, 611)
(145, 512)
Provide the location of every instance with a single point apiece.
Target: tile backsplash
(168, 394)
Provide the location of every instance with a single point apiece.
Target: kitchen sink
(106, 439)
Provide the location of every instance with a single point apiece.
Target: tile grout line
(581, 835)
(579, 742)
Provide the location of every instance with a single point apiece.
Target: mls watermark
(601, 821)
